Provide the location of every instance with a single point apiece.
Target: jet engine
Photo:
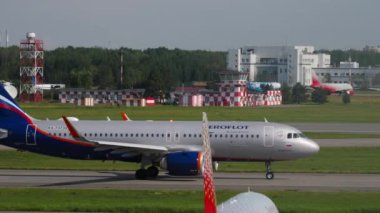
(183, 163)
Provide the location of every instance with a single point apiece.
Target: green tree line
(156, 70)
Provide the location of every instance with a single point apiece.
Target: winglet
(208, 178)
(125, 116)
(72, 129)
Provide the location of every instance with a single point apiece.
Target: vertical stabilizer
(4, 95)
(315, 80)
(208, 178)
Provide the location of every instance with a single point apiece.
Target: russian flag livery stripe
(208, 178)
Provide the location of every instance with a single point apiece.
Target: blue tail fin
(6, 95)
(9, 109)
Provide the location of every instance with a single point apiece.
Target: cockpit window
(295, 135)
(298, 135)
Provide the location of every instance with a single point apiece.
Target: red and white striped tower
(31, 68)
(233, 88)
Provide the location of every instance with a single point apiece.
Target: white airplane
(247, 202)
(175, 146)
(331, 87)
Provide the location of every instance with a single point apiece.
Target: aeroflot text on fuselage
(228, 126)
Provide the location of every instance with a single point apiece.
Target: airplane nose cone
(313, 147)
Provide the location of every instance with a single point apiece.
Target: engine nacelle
(183, 163)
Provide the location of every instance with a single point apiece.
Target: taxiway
(233, 181)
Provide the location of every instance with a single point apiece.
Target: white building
(284, 64)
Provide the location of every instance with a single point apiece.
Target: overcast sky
(193, 24)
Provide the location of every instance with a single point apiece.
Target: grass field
(361, 109)
(165, 201)
(329, 160)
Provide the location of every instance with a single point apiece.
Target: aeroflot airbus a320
(174, 146)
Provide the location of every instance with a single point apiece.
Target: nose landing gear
(269, 175)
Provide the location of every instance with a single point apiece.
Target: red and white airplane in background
(246, 202)
(331, 87)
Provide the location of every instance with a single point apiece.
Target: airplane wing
(141, 147)
(109, 145)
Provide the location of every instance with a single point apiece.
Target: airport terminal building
(284, 64)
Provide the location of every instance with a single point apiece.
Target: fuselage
(230, 141)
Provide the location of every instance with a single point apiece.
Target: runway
(233, 181)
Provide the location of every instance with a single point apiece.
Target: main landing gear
(151, 172)
(269, 175)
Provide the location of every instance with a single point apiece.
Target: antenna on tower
(121, 67)
(7, 38)
(0, 38)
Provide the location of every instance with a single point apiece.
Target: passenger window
(257, 136)
(195, 135)
(115, 134)
(184, 135)
(152, 135)
(147, 135)
(100, 134)
(289, 135)
(189, 135)
(90, 134)
(85, 134)
(221, 135)
(110, 134)
(131, 134)
(142, 135)
(162, 135)
(95, 134)
(105, 134)
(126, 134)
(157, 135)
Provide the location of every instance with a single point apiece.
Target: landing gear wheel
(152, 172)
(141, 174)
(269, 175)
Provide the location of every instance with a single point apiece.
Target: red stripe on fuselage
(22, 114)
(5, 106)
(65, 139)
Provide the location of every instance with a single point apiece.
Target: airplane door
(268, 136)
(31, 134)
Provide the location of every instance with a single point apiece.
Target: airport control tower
(31, 68)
